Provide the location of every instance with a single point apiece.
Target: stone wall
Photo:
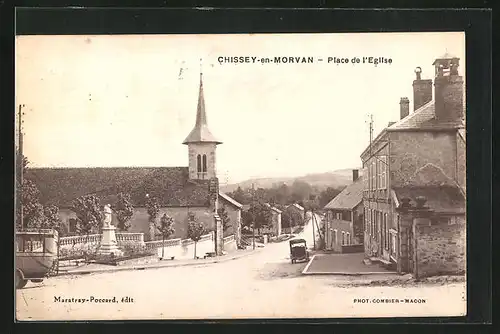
(441, 249)
(410, 152)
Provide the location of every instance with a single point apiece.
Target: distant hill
(336, 179)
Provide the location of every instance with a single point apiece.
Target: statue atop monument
(107, 215)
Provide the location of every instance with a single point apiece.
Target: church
(181, 191)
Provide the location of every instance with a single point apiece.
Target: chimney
(404, 107)
(355, 175)
(448, 89)
(422, 90)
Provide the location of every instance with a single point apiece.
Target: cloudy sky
(124, 100)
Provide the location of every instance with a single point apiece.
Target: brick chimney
(355, 175)
(448, 89)
(404, 107)
(422, 90)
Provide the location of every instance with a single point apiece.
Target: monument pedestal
(109, 245)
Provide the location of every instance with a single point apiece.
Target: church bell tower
(201, 144)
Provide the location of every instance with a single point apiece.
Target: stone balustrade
(229, 238)
(130, 237)
(80, 239)
(166, 243)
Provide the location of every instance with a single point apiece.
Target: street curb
(169, 265)
(340, 273)
(343, 273)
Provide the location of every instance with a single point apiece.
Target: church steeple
(201, 144)
(200, 132)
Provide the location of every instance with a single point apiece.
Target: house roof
(296, 206)
(171, 185)
(200, 132)
(348, 198)
(246, 207)
(441, 199)
(424, 119)
(230, 200)
(273, 208)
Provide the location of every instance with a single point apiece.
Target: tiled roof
(230, 200)
(171, 185)
(441, 199)
(348, 198)
(273, 208)
(297, 206)
(424, 119)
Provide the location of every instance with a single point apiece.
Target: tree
(153, 209)
(226, 221)
(262, 213)
(327, 195)
(124, 211)
(88, 213)
(238, 195)
(195, 231)
(165, 230)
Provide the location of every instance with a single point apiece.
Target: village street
(264, 284)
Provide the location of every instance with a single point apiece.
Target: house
(276, 219)
(296, 209)
(275, 227)
(344, 218)
(180, 190)
(414, 179)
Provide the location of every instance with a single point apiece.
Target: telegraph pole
(253, 215)
(312, 222)
(21, 167)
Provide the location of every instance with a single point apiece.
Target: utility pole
(312, 222)
(21, 167)
(253, 215)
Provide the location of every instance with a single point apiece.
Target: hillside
(337, 178)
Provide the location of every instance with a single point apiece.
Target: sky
(130, 100)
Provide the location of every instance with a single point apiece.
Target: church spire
(200, 132)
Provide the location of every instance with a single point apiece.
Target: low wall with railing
(230, 243)
(81, 241)
(183, 249)
(171, 248)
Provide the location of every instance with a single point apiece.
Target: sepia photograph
(240, 176)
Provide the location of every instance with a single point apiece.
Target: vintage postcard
(240, 176)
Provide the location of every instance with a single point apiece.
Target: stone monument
(109, 245)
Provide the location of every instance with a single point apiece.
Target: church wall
(140, 223)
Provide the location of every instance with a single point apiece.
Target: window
(383, 172)
(440, 221)
(335, 237)
(365, 178)
(386, 232)
(204, 163)
(348, 237)
(343, 238)
(198, 163)
(373, 175)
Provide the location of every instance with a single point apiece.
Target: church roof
(230, 200)
(171, 185)
(200, 132)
